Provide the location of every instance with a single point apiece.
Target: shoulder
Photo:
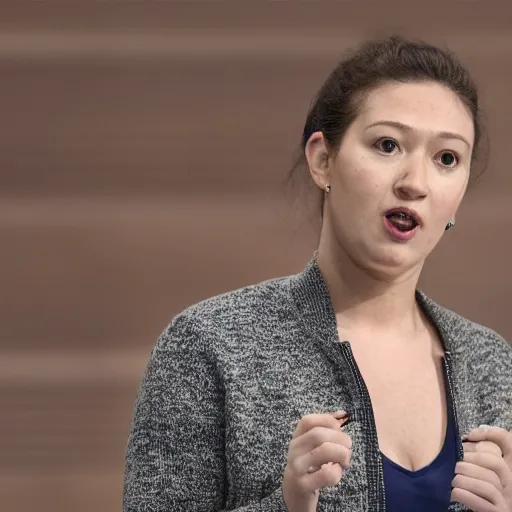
(467, 337)
(227, 311)
(484, 346)
(246, 300)
(481, 364)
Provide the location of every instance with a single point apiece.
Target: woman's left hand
(483, 481)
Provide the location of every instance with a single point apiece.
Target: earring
(450, 225)
(327, 188)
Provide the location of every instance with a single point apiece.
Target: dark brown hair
(394, 59)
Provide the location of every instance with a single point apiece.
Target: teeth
(402, 220)
(402, 215)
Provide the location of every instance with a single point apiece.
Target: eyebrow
(407, 128)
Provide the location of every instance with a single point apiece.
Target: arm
(175, 455)
(495, 371)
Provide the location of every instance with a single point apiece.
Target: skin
(483, 481)
(318, 455)
(396, 153)
(371, 277)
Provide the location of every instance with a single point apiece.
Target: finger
(483, 446)
(474, 502)
(340, 415)
(310, 421)
(479, 488)
(479, 473)
(491, 462)
(328, 475)
(497, 435)
(317, 436)
(323, 454)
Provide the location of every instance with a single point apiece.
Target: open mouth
(403, 220)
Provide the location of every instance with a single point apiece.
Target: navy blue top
(429, 488)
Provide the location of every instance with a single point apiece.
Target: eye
(448, 159)
(386, 145)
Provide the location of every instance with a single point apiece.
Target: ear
(317, 155)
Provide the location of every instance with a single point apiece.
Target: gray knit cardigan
(230, 377)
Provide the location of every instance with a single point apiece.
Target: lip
(397, 235)
(408, 211)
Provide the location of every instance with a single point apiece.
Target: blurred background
(143, 149)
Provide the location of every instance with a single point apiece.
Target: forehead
(428, 107)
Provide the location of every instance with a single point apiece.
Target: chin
(390, 264)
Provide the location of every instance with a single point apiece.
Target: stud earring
(327, 189)
(450, 225)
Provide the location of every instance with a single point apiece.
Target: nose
(412, 181)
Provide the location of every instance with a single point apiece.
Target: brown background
(142, 148)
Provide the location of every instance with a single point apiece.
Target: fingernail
(346, 422)
(484, 427)
(465, 439)
(340, 414)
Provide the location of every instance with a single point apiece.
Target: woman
(343, 387)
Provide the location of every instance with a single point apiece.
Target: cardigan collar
(311, 296)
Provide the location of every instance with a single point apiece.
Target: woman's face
(409, 150)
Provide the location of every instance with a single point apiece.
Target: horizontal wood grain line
(62, 489)
(44, 44)
(61, 211)
(72, 367)
(98, 211)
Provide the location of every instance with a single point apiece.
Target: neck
(368, 300)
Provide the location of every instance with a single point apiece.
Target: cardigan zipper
(379, 496)
(447, 367)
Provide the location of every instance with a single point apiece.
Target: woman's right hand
(318, 455)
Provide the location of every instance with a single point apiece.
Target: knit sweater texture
(230, 377)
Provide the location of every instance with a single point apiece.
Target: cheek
(446, 203)
(356, 195)
(358, 179)
(449, 190)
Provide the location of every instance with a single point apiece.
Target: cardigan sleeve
(175, 459)
(494, 370)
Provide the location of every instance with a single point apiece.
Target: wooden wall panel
(142, 150)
